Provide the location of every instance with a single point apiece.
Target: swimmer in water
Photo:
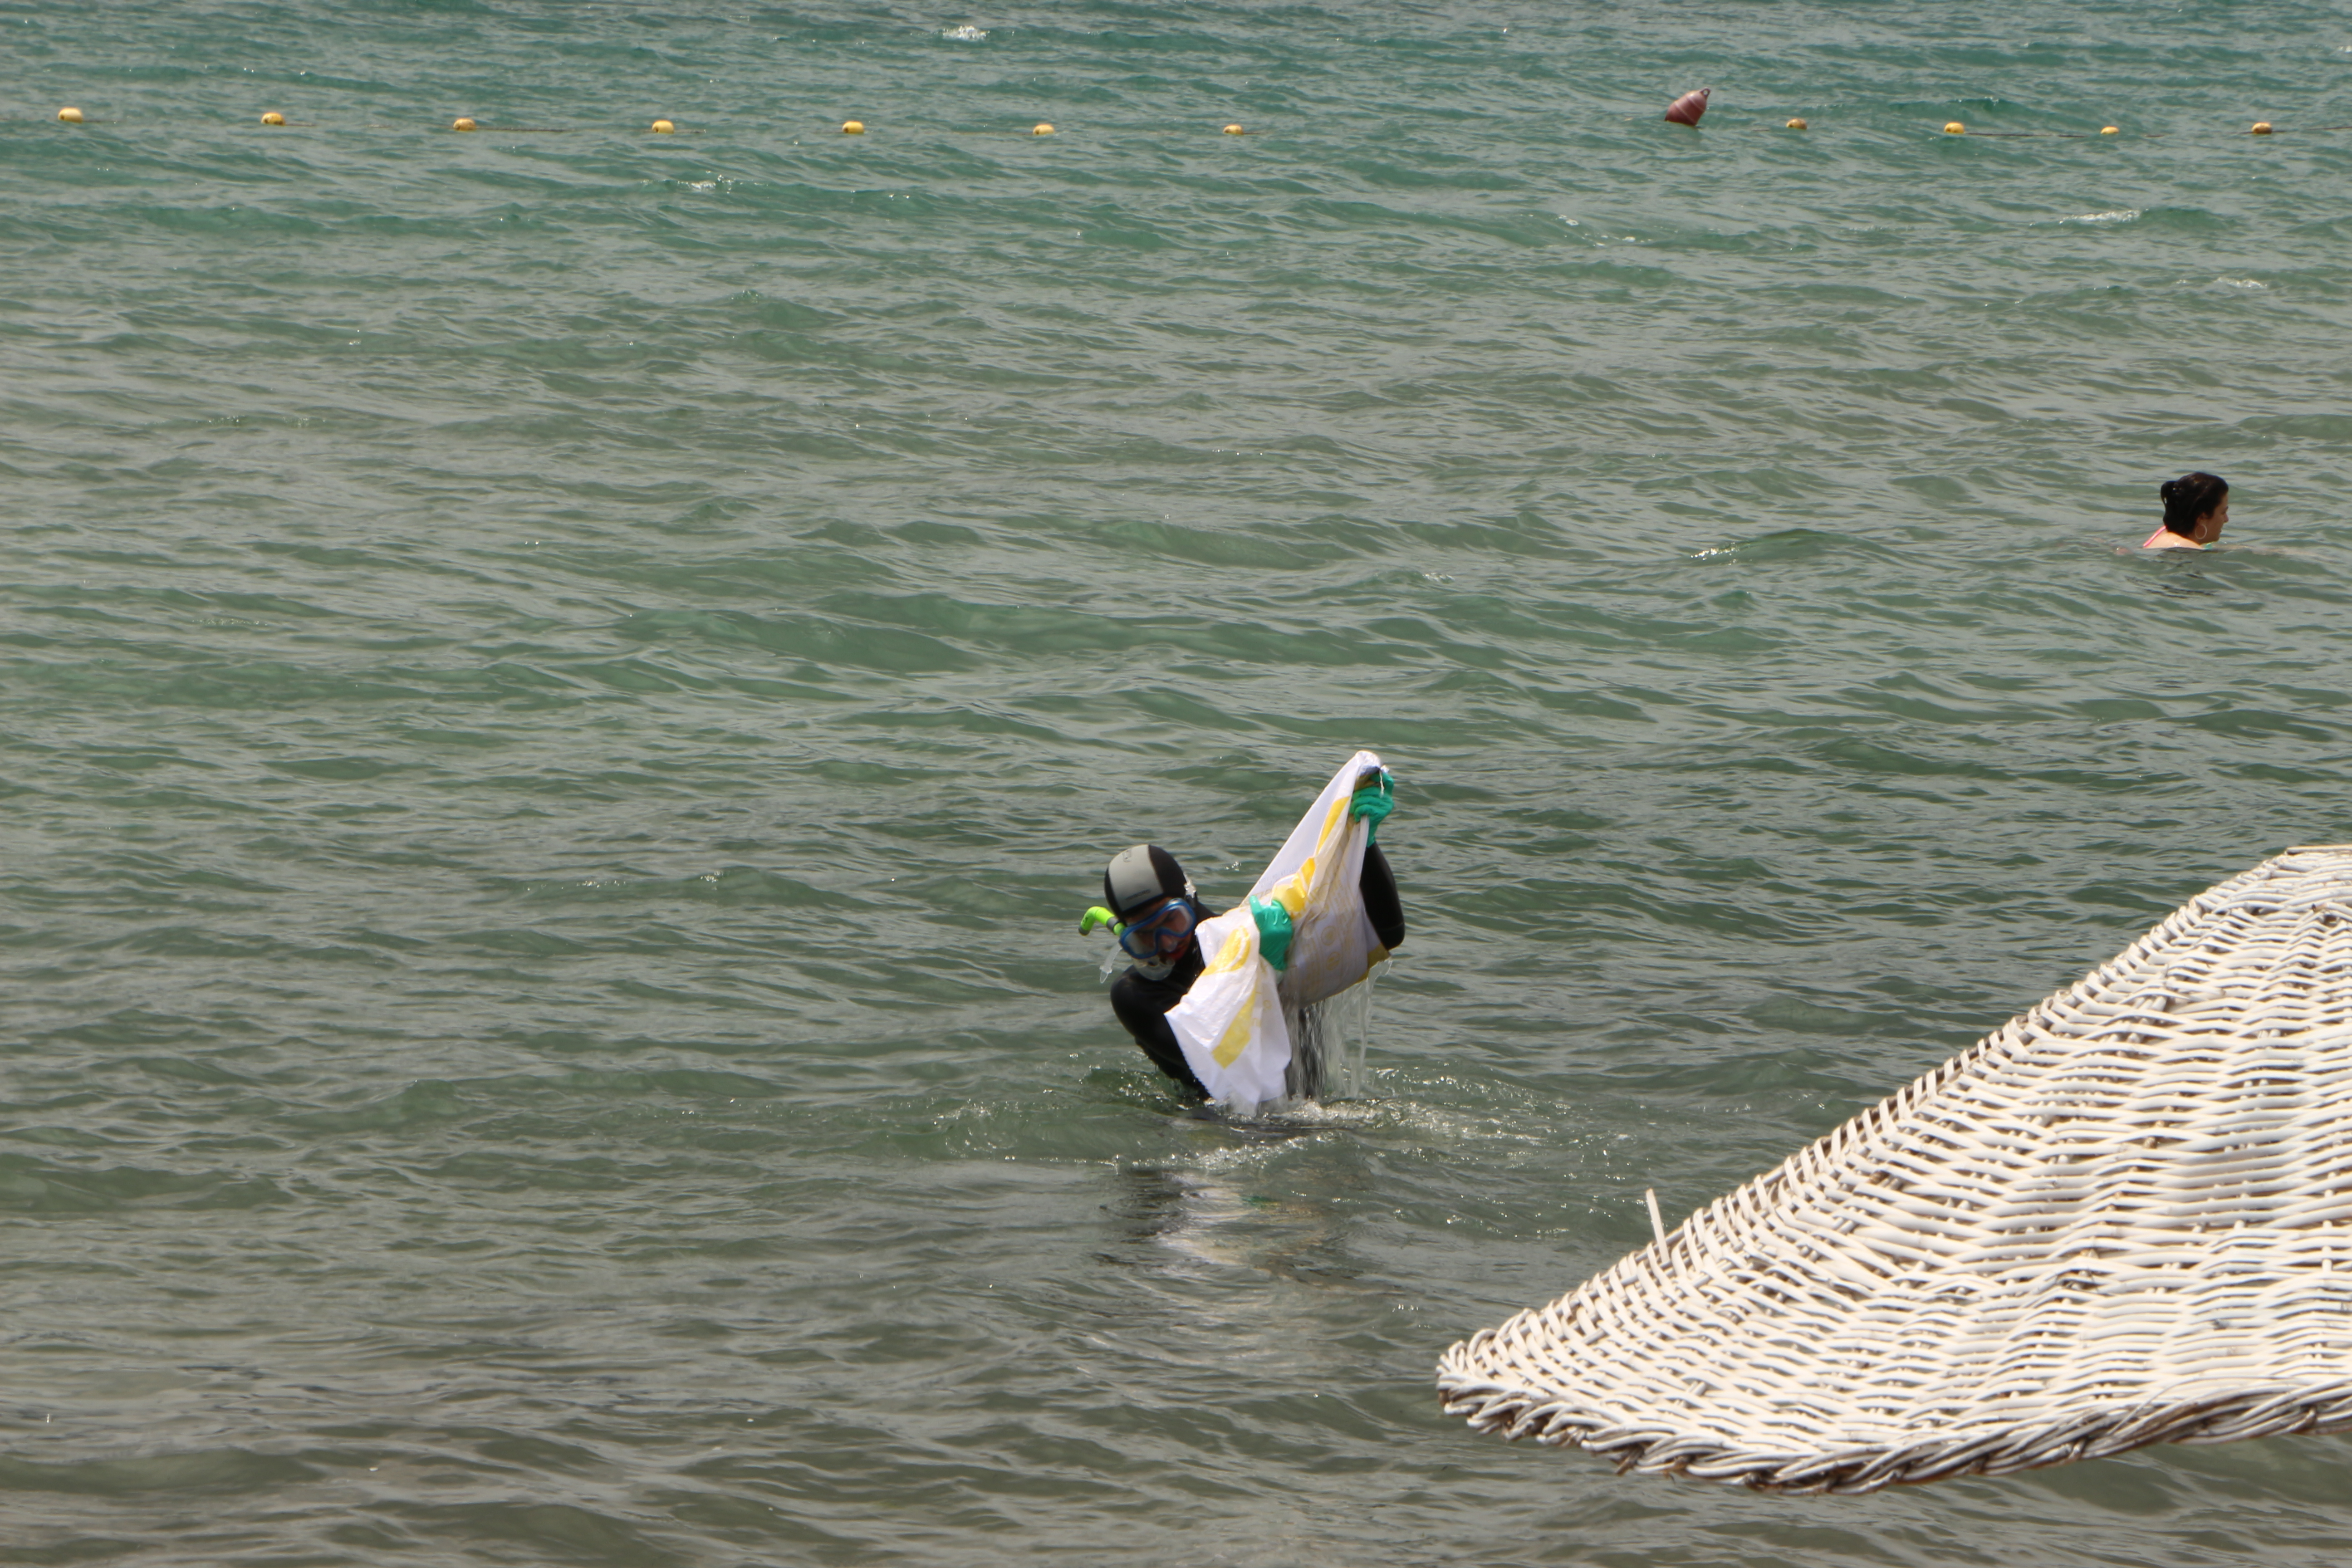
(2196, 507)
(1155, 912)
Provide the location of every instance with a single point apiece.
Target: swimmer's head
(2196, 506)
(1141, 877)
(1155, 903)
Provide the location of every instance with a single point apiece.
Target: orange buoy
(665, 127)
(1954, 128)
(852, 128)
(463, 124)
(1233, 130)
(1042, 129)
(1797, 125)
(1686, 109)
(2262, 128)
(69, 116)
(273, 118)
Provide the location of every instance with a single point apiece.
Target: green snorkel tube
(1100, 916)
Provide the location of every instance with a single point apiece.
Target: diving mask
(1159, 936)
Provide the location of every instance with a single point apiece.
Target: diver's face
(1157, 937)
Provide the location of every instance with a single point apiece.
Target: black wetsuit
(1142, 1003)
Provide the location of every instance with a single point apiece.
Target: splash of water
(1327, 1044)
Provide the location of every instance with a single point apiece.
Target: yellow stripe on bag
(1335, 824)
(1238, 1035)
(1291, 892)
(1335, 821)
(1230, 957)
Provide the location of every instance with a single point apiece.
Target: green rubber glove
(1374, 800)
(1273, 932)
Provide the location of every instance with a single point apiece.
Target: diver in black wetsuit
(1158, 911)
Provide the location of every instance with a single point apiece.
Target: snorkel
(1098, 917)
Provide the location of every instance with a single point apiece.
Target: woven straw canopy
(2123, 1218)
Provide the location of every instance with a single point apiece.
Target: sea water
(562, 691)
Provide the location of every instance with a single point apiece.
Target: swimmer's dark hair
(2188, 498)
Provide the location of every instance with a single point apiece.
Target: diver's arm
(1378, 884)
(1142, 1008)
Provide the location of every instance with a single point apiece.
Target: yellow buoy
(1232, 130)
(1954, 128)
(273, 118)
(70, 116)
(663, 128)
(2262, 128)
(2110, 130)
(1797, 125)
(463, 124)
(1042, 130)
(852, 128)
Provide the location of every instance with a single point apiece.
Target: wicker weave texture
(2123, 1218)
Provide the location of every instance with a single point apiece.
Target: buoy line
(1686, 111)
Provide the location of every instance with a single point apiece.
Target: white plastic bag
(1234, 1024)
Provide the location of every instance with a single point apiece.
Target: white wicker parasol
(2123, 1218)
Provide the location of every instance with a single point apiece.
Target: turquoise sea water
(561, 692)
